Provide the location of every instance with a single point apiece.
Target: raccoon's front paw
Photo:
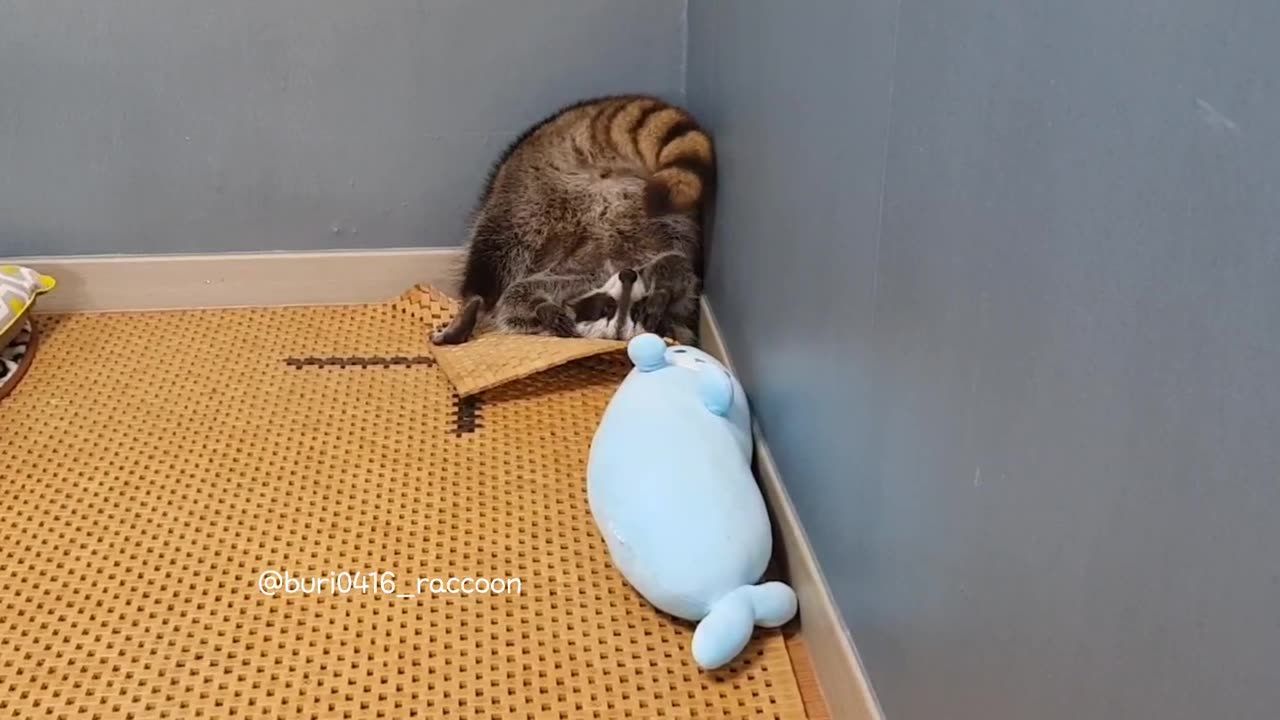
(683, 335)
(652, 312)
(555, 320)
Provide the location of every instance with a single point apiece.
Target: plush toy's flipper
(726, 630)
(716, 389)
(774, 604)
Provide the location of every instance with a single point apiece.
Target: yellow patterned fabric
(19, 287)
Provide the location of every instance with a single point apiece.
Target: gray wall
(131, 126)
(1004, 280)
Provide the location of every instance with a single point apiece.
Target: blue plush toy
(670, 485)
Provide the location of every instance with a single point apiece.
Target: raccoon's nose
(628, 276)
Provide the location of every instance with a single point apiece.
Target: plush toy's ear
(648, 352)
(716, 389)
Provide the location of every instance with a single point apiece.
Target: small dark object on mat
(16, 357)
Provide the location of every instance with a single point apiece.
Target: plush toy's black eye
(679, 351)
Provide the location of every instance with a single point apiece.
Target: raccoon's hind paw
(459, 330)
(445, 337)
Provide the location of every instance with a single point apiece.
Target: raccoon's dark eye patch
(594, 307)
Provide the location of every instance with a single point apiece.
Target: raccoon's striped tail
(727, 628)
(681, 159)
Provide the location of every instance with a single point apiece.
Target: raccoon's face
(609, 311)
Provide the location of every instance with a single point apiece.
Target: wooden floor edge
(843, 679)
(116, 283)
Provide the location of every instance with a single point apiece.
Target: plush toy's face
(687, 369)
(692, 358)
(707, 376)
(650, 352)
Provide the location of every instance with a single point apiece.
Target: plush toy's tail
(727, 628)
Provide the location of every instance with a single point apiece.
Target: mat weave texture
(154, 465)
(487, 361)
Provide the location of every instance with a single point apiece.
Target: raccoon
(595, 193)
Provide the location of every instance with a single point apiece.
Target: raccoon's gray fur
(598, 188)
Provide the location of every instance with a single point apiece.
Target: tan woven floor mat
(488, 361)
(155, 465)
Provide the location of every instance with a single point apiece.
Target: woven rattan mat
(155, 465)
(488, 361)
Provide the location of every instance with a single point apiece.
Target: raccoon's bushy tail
(681, 162)
(727, 628)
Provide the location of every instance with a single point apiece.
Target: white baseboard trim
(839, 670)
(178, 282)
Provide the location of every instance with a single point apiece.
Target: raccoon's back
(583, 147)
